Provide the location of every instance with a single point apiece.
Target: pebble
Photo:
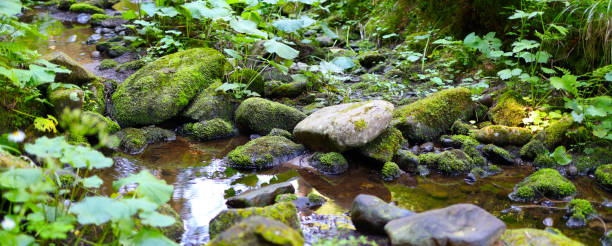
(427, 147)
(548, 222)
(95, 54)
(93, 39)
(83, 18)
(72, 38)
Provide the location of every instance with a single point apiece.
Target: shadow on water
(203, 182)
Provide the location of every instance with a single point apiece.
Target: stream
(203, 181)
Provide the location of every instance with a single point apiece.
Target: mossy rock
(590, 162)
(555, 134)
(79, 75)
(264, 152)
(131, 65)
(96, 19)
(281, 132)
(450, 162)
(62, 98)
(579, 211)
(503, 135)
(371, 58)
(209, 105)
(509, 109)
(284, 212)
(544, 161)
(108, 64)
(176, 230)
(12, 120)
(85, 8)
(134, 141)
(258, 230)
(261, 116)
(249, 77)
(329, 163)
(535, 237)
(427, 119)
(96, 100)
(65, 4)
(290, 90)
(497, 155)
(390, 171)
(285, 198)
(532, 149)
(10, 161)
(406, 160)
(315, 200)
(106, 3)
(603, 176)
(163, 88)
(545, 182)
(384, 147)
(110, 126)
(459, 141)
(211, 129)
(462, 128)
(117, 50)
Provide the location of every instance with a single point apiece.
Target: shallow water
(203, 181)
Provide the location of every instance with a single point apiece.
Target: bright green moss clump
(108, 64)
(210, 129)
(580, 209)
(257, 230)
(261, 116)
(390, 171)
(329, 163)
(544, 160)
(509, 110)
(545, 182)
(530, 236)
(96, 19)
(426, 119)
(315, 199)
(250, 77)
(555, 134)
(383, 147)
(110, 125)
(603, 176)
(85, 8)
(284, 212)
(503, 135)
(460, 127)
(532, 149)
(285, 198)
(450, 162)
(280, 132)
(263, 153)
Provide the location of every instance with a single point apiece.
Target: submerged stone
(264, 152)
(535, 237)
(261, 116)
(284, 212)
(461, 224)
(329, 163)
(161, 89)
(406, 160)
(545, 182)
(259, 231)
(503, 135)
(384, 146)
(370, 214)
(261, 197)
(426, 119)
(345, 126)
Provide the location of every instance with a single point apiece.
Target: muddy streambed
(203, 181)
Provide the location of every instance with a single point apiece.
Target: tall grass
(594, 22)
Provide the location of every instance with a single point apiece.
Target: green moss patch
(503, 135)
(390, 171)
(85, 8)
(284, 212)
(210, 129)
(383, 147)
(603, 176)
(545, 182)
(263, 153)
(509, 109)
(261, 116)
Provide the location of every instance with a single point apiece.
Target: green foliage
(350, 241)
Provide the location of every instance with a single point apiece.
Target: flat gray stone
(370, 214)
(261, 197)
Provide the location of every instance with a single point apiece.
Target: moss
(406, 160)
(383, 147)
(85, 8)
(390, 171)
(263, 152)
(133, 140)
(109, 125)
(476, 156)
(117, 50)
(108, 64)
(65, 4)
(509, 109)
(451, 162)
(78, 75)
(463, 141)
(292, 89)
(503, 135)
(257, 230)
(62, 98)
(10, 161)
(280, 132)
(580, 209)
(95, 99)
(545, 182)
(544, 161)
(284, 212)
(603, 176)
(163, 88)
(585, 164)
(360, 125)
(494, 169)
(250, 77)
(555, 134)
(532, 149)
(210, 129)
(331, 163)
(96, 19)
(426, 119)
(529, 236)
(479, 172)
(462, 128)
(370, 58)
(285, 198)
(11, 120)
(132, 65)
(315, 199)
(497, 155)
(208, 105)
(261, 116)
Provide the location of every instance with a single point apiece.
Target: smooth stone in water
(370, 214)
(260, 197)
(83, 18)
(460, 224)
(259, 231)
(284, 212)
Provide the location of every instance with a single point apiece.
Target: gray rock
(345, 126)
(259, 231)
(460, 224)
(83, 18)
(497, 155)
(93, 39)
(134, 140)
(264, 152)
(261, 197)
(261, 116)
(113, 22)
(370, 214)
(79, 75)
(325, 41)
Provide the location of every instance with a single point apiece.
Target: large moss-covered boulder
(370, 214)
(210, 129)
(209, 105)
(261, 116)
(503, 135)
(603, 176)
(451, 162)
(535, 237)
(134, 140)
(344, 126)
(78, 75)
(284, 212)
(161, 89)
(264, 152)
(259, 231)
(509, 109)
(428, 118)
(545, 182)
(62, 98)
(384, 147)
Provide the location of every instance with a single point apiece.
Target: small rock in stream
(260, 197)
(93, 39)
(83, 18)
(548, 222)
(370, 214)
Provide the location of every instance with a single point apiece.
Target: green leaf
(567, 83)
(85, 157)
(156, 219)
(98, 210)
(11, 238)
(282, 50)
(20, 177)
(10, 7)
(608, 76)
(247, 27)
(129, 15)
(344, 62)
(561, 156)
(149, 187)
(293, 25)
(234, 54)
(200, 9)
(45, 147)
(92, 182)
(148, 237)
(548, 70)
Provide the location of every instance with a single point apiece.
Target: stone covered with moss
(579, 210)
(96, 100)
(161, 89)
(544, 161)
(285, 198)
(555, 134)
(384, 146)
(61, 98)
(208, 105)
(427, 119)
(462, 128)
(532, 149)
(210, 129)
(79, 75)
(281, 132)
(315, 200)
(451, 162)
(284, 212)
(390, 171)
(108, 64)
(85, 8)
(264, 152)
(509, 109)
(329, 163)
(96, 19)
(545, 182)
(603, 176)
(406, 160)
(257, 230)
(134, 140)
(249, 77)
(458, 141)
(497, 155)
(503, 135)
(291, 90)
(261, 116)
(110, 126)
(529, 236)
(371, 58)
